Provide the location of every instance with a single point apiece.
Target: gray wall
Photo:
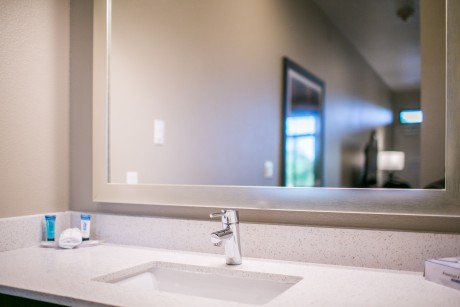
(433, 48)
(406, 138)
(34, 106)
(81, 98)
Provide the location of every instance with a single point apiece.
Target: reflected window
(300, 125)
(302, 142)
(303, 109)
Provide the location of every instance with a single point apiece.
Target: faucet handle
(218, 214)
(229, 216)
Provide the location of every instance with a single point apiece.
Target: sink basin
(231, 284)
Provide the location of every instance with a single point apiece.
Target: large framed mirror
(345, 205)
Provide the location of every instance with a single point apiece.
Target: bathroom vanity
(99, 276)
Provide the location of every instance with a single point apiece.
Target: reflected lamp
(392, 161)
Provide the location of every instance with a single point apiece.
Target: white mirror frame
(416, 210)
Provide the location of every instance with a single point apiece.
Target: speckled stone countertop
(66, 277)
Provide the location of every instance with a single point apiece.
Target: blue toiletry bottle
(50, 225)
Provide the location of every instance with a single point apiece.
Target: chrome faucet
(230, 234)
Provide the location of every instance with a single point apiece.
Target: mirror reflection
(305, 93)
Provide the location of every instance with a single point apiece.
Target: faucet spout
(220, 235)
(230, 235)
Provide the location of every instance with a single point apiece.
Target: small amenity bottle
(50, 225)
(85, 226)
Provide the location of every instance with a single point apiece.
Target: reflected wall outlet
(158, 131)
(131, 178)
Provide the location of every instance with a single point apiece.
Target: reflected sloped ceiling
(390, 45)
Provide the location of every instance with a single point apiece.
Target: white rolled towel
(70, 238)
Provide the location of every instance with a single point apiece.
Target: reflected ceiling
(389, 44)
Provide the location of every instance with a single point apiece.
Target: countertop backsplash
(381, 249)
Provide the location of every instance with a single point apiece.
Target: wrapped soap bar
(444, 271)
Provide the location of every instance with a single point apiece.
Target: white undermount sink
(219, 283)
